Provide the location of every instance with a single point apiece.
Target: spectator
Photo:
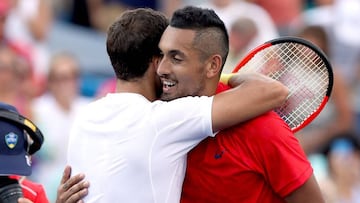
(341, 18)
(337, 118)
(20, 138)
(61, 102)
(343, 157)
(16, 141)
(230, 10)
(98, 14)
(241, 33)
(283, 13)
(13, 75)
(29, 23)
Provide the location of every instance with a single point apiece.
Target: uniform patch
(11, 140)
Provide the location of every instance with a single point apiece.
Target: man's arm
(309, 193)
(72, 189)
(253, 94)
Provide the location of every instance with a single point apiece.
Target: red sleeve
(34, 191)
(285, 161)
(276, 153)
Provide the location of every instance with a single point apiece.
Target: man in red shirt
(257, 161)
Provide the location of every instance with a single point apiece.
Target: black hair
(211, 34)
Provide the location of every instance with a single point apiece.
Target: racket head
(302, 67)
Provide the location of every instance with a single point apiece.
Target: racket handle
(224, 78)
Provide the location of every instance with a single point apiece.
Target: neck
(145, 85)
(139, 86)
(64, 103)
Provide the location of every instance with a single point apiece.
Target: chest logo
(219, 154)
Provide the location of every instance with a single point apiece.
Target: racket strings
(302, 71)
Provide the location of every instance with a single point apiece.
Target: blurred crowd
(48, 49)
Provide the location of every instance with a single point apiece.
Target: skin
(63, 81)
(178, 81)
(191, 72)
(24, 200)
(72, 190)
(184, 79)
(183, 65)
(173, 69)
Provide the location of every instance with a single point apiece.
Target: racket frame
(318, 51)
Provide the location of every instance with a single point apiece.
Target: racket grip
(224, 78)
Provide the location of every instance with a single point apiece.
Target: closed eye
(176, 60)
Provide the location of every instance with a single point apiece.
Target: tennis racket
(303, 68)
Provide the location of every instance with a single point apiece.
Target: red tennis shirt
(257, 161)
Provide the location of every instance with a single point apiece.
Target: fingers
(76, 197)
(24, 200)
(66, 174)
(74, 184)
(72, 189)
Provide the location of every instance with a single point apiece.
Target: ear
(156, 61)
(214, 66)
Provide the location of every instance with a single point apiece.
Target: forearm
(253, 95)
(309, 192)
(274, 93)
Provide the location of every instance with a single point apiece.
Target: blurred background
(53, 61)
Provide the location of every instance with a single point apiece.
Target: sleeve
(41, 196)
(284, 163)
(183, 122)
(34, 191)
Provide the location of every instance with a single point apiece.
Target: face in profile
(181, 70)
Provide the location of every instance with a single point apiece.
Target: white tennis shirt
(134, 151)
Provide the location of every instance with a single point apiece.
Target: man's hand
(24, 200)
(72, 190)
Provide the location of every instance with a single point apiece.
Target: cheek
(190, 84)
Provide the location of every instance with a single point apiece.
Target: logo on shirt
(219, 154)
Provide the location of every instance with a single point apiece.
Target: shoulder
(182, 109)
(268, 121)
(268, 126)
(180, 104)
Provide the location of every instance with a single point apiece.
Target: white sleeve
(186, 120)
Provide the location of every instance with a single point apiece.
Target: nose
(163, 67)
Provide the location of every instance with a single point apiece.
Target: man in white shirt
(133, 148)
